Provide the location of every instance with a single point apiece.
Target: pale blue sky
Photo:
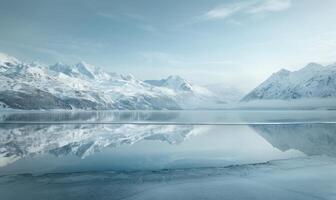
(205, 41)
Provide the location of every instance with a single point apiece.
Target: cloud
(246, 8)
(225, 11)
(271, 6)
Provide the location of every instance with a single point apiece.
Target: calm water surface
(164, 154)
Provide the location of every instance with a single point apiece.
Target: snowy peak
(312, 67)
(282, 73)
(92, 72)
(178, 83)
(80, 70)
(195, 96)
(85, 70)
(4, 58)
(83, 86)
(62, 68)
(175, 83)
(128, 77)
(312, 81)
(79, 86)
(7, 62)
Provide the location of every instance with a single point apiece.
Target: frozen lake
(227, 154)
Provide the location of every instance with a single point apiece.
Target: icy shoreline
(301, 178)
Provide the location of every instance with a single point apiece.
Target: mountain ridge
(80, 86)
(83, 86)
(312, 81)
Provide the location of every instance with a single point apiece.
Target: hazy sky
(205, 41)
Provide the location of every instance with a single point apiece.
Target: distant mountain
(312, 81)
(83, 86)
(175, 83)
(6, 62)
(187, 95)
(80, 86)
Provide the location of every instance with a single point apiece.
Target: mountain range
(32, 86)
(83, 86)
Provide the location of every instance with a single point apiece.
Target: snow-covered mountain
(80, 86)
(312, 81)
(175, 83)
(33, 86)
(190, 95)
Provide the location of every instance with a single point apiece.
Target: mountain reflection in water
(28, 140)
(99, 155)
